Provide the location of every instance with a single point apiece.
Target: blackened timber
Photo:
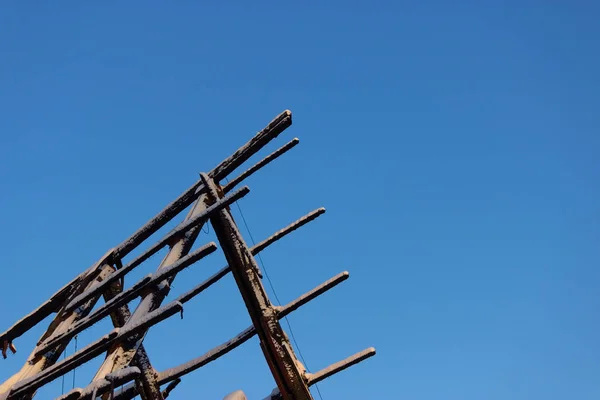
(35, 365)
(288, 229)
(122, 354)
(254, 251)
(313, 294)
(247, 334)
(271, 157)
(155, 248)
(119, 317)
(117, 378)
(52, 305)
(274, 343)
(340, 366)
(170, 387)
(333, 369)
(127, 295)
(93, 350)
(261, 139)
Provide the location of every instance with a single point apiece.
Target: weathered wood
(274, 343)
(127, 359)
(127, 296)
(53, 304)
(288, 229)
(268, 159)
(119, 317)
(333, 369)
(121, 355)
(311, 295)
(225, 167)
(247, 334)
(187, 296)
(93, 350)
(340, 366)
(61, 323)
(110, 381)
(173, 235)
(260, 140)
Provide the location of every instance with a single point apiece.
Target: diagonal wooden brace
(285, 367)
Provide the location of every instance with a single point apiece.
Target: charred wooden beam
(271, 157)
(127, 296)
(247, 334)
(100, 387)
(333, 369)
(121, 355)
(166, 240)
(311, 295)
(119, 317)
(340, 366)
(170, 387)
(35, 365)
(275, 345)
(288, 229)
(52, 305)
(227, 166)
(260, 140)
(91, 351)
(254, 251)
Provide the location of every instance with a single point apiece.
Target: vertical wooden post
(285, 367)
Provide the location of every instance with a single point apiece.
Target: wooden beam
(91, 351)
(169, 238)
(215, 353)
(265, 161)
(274, 343)
(126, 296)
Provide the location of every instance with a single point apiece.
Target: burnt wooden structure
(75, 307)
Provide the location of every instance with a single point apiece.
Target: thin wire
(262, 264)
(74, 369)
(63, 377)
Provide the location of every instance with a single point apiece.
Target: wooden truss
(127, 362)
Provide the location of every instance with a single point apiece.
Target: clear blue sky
(453, 146)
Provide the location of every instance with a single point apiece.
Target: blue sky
(452, 143)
